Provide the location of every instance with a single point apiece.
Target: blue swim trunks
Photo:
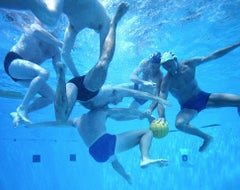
(83, 93)
(8, 60)
(198, 102)
(103, 148)
(140, 101)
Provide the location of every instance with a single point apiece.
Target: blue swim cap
(156, 57)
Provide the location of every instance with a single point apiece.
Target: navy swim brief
(8, 60)
(83, 93)
(198, 102)
(140, 101)
(103, 148)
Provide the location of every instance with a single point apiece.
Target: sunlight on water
(189, 29)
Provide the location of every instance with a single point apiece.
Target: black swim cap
(156, 57)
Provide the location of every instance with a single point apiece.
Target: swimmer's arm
(45, 36)
(124, 92)
(125, 85)
(154, 104)
(164, 90)
(122, 114)
(134, 77)
(58, 124)
(215, 55)
(120, 170)
(69, 40)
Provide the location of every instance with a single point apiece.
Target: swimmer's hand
(149, 83)
(162, 119)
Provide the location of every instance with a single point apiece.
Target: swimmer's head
(168, 56)
(169, 62)
(156, 57)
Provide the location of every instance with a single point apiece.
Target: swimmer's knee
(44, 75)
(180, 124)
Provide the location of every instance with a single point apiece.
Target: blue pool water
(56, 158)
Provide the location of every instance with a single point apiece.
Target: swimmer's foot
(23, 115)
(157, 162)
(16, 119)
(122, 9)
(205, 144)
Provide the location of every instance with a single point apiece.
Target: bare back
(91, 126)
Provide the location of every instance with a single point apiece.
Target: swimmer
(180, 81)
(89, 89)
(92, 129)
(147, 77)
(23, 65)
(105, 147)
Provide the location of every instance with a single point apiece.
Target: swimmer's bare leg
(122, 9)
(145, 143)
(17, 119)
(96, 77)
(205, 144)
(185, 116)
(61, 103)
(22, 113)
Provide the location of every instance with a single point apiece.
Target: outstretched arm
(57, 124)
(69, 40)
(164, 88)
(45, 36)
(215, 55)
(122, 114)
(154, 104)
(124, 92)
(119, 168)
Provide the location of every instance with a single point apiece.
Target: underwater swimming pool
(53, 158)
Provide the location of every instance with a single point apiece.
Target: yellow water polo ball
(159, 128)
